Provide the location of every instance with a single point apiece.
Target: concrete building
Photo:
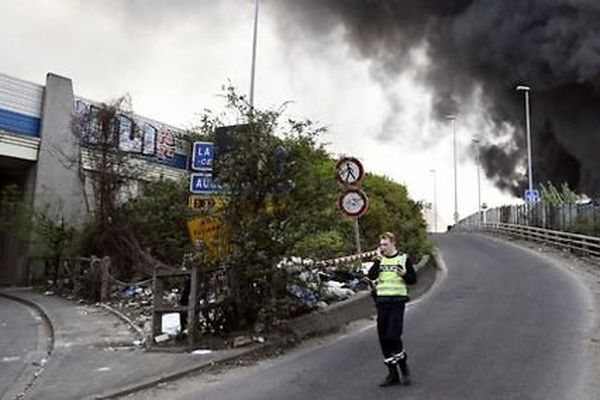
(40, 155)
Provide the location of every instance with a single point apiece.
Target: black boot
(393, 378)
(402, 363)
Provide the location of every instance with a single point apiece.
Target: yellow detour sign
(206, 203)
(209, 233)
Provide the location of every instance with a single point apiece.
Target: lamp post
(434, 199)
(526, 89)
(477, 161)
(254, 41)
(453, 119)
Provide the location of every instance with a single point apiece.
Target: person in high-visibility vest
(392, 271)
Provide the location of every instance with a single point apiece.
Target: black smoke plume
(491, 45)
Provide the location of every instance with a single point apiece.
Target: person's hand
(400, 270)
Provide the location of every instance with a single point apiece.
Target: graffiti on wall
(149, 139)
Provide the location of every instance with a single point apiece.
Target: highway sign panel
(206, 203)
(203, 154)
(532, 196)
(203, 183)
(209, 233)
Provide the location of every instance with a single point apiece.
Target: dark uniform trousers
(390, 321)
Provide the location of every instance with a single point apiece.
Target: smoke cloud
(488, 47)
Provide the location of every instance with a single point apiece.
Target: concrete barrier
(357, 307)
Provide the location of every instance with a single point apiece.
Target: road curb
(442, 271)
(357, 307)
(31, 374)
(177, 374)
(125, 319)
(40, 310)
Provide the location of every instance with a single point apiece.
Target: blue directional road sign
(532, 196)
(202, 156)
(202, 183)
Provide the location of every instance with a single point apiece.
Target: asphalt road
(503, 323)
(18, 339)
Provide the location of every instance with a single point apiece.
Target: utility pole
(478, 162)
(453, 119)
(254, 43)
(526, 89)
(435, 226)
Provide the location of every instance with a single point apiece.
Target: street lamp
(434, 199)
(453, 119)
(477, 161)
(526, 90)
(254, 40)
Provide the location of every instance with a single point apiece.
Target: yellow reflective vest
(389, 282)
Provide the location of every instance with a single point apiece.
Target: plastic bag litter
(305, 296)
(201, 352)
(171, 323)
(333, 290)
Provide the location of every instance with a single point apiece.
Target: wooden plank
(192, 308)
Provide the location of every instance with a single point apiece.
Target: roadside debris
(313, 286)
(201, 352)
(163, 337)
(42, 363)
(241, 341)
(171, 324)
(316, 287)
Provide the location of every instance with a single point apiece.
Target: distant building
(38, 150)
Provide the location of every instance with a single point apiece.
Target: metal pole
(357, 234)
(435, 226)
(477, 162)
(455, 172)
(254, 41)
(526, 89)
(478, 187)
(453, 119)
(435, 213)
(527, 121)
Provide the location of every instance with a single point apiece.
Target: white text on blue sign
(202, 156)
(202, 183)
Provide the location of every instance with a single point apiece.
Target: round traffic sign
(349, 171)
(353, 203)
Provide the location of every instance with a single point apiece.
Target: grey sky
(173, 56)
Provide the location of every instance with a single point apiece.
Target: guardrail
(574, 242)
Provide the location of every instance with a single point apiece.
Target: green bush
(158, 220)
(321, 245)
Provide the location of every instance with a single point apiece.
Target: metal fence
(578, 244)
(576, 218)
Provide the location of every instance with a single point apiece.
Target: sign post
(207, 231)
(353, 202)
